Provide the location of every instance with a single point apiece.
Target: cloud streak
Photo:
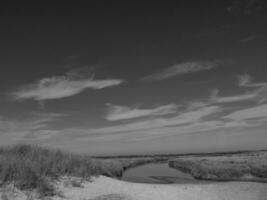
(116, 112)
(245, 80)
(214, 98)
(198, 121)
(58, 87)
(257, 92)
(182, 68)
(255, 112)
(246, 7)
(259, 89)
(14, 130)
(179, 119)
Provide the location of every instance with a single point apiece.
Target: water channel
(156, 173)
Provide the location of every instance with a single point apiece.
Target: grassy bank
(32, 167)
(239, 167)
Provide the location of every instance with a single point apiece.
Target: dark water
(156, 173)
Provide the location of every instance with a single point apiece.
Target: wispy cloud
(198, 121)
(39, 131)
(58, 87)
(185, 123)
(116, 112)
(249, 38)
(16, 129)
(246, 7)
(257, 92)
(182, 68)
(255, 112)
(36, 121)
(202, 122)
(245, 80)
(257, 88)
(179, 119)
(214, 98)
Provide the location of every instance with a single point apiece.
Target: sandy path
(104, 188)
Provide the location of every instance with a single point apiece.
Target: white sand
(104, 188)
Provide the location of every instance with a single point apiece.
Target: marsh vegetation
(249, 166)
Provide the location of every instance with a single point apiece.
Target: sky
(123, 77)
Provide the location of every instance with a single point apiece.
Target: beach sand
(105, 188)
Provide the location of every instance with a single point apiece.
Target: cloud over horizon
(182, 68)
(15, 130)
(58, 87)
(197, 121)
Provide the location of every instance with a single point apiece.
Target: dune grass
(32, 167)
